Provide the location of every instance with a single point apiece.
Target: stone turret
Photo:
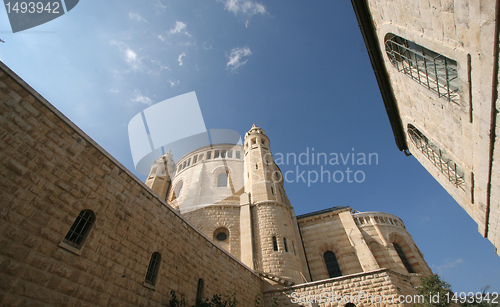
(160, 175)
(276, 247)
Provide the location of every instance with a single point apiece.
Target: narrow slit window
(154, 265)
(275, 244)
(199, 291)
(80, 229)
(286, 245)
(403, 258)
(428, 68)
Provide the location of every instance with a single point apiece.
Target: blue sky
(298, 69)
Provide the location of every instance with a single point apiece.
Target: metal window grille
(154, 265)
(80, 228)
(430, 69)
(332, 265)
(275, 244)
(437, 157)
(403, 258)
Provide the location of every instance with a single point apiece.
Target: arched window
(221, 234)
(275, 244)
(80, 229)
(222, 180)
(286, 246)
(403, 258)
(154, 265)
(430, 69)
(350, 305)
(177, 190)
(199, 292)
(332, 265)
(437, 156)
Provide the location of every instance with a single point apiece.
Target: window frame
(153, 269)
(403, 258)
(77, 235)
(430, 69)
(332, 264)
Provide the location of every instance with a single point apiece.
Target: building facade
(436, 63)
(235, 195)
(79, 229)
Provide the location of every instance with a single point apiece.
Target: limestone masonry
(436, 63)
(79, 229)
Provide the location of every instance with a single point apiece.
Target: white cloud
(180, 58)
(245, 7)
(236, 57)
(180, 27)
(449, 264)
(132, 59)
(173, 83)
(160, 65)
(139, 97)
(160, 5)
(136, 17)
(163, 39)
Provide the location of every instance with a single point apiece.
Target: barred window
(332, 266)
(80, 229)
(438, 157)
(403, 258)
(154, 265)
(430, 69)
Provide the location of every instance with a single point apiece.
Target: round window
(222, 236)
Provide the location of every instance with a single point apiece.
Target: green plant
(174, 302)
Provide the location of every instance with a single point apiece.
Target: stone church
(79, 229)
(235, 195)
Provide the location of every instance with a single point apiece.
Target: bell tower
(276, 250)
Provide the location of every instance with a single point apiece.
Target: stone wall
(209, 219)
(494, 226)
(463, 31)
(376, 288)
(50, 171)
(275, 220)
(322, 233)
(380, 231)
